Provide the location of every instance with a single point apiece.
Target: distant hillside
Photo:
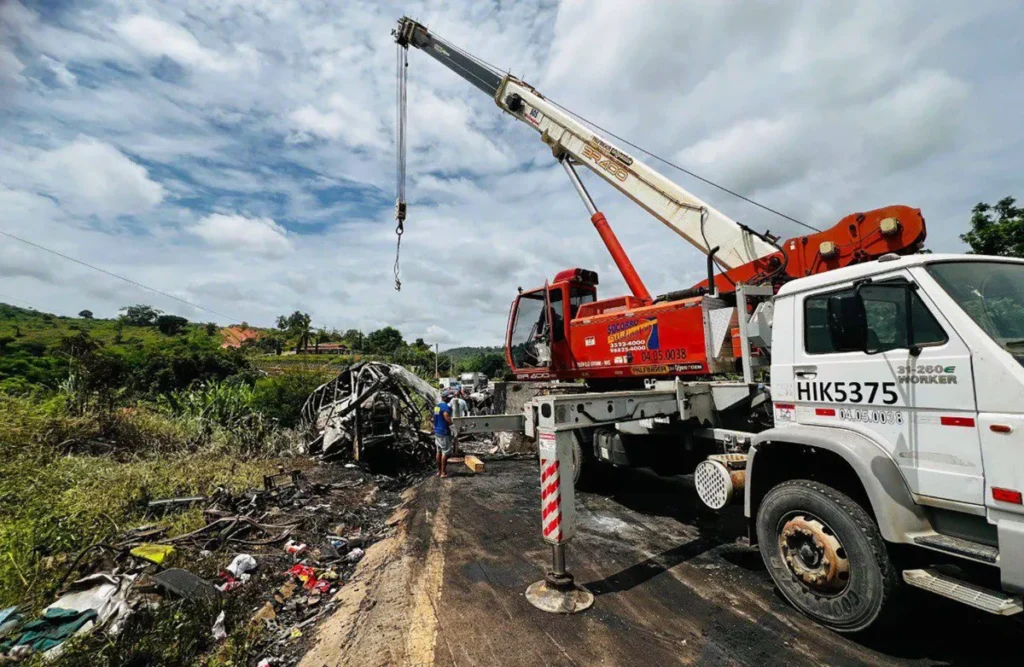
(31, 353)
(458, 354)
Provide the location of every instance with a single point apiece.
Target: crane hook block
(400, 209)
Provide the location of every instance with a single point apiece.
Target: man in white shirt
(459, 409)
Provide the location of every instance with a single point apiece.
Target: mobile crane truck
(888, 449)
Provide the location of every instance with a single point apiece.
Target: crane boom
(700, 224)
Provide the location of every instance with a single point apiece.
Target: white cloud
(756, 153)
(346, 119)
(156, 38)
(234, 232)
(10, 66)
(60, 73)
(19, 261)
(91, 177)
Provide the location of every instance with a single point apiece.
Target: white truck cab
(898, 390)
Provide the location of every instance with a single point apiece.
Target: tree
(354, 338)
(322, 336)
(79, 346)
(385, 341)
(139, 315)
(297, 325)
(211, 328)
(4, 342)
(85, 314)
(268, 343)
(171, 324)
(421, 345)
(1001, 235)
(119, 332)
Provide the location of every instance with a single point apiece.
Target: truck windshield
(530, 323)
(992, 294)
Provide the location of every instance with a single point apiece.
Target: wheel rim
(813, 553)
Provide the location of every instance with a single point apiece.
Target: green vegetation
(1000, 234)
(100, 416)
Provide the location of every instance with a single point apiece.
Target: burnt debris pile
(373, 412)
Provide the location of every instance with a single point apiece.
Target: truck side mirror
(848, 323)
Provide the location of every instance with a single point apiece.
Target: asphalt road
(673, 585)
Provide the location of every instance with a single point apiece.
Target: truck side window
(887, 323)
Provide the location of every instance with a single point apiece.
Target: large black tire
(793, 518)
(581, 464)
(588, 472)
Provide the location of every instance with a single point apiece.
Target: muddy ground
(674, 585)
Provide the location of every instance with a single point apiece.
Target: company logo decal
(633, 335)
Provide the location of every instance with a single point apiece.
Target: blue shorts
(443, 443)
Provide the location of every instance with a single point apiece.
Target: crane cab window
(886, 322)
(579, 295)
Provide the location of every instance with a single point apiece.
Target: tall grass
(73, 472)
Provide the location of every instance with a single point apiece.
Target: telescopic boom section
(745, 256)
(694, 220)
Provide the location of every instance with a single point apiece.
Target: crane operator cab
(537, 341)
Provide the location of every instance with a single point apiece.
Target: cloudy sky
(240, 155)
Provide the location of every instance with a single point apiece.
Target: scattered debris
(219, 633)
(99, 600)
(294, 548)
(321, 515)
(10, 619)
(166, 505)
(154, 553)
(184, 584)
(370, 407)
(281, 480)
(241, 564)
(473, 463)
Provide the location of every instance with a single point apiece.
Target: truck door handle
(807, 372)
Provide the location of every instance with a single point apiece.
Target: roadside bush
(281, 397)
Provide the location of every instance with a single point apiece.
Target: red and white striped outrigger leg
(550, 500)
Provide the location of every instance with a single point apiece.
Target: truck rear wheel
(825, 554)
(588, 472)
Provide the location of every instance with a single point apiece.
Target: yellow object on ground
(154, 553)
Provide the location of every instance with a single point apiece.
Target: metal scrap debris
(370, 406)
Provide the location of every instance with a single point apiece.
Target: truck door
(528, 340)
(894, 369)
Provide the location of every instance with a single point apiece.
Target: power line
(119, 277)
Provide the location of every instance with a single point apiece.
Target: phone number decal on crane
(847, 392)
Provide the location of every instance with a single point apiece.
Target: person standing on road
(459, 409)
(443, 433)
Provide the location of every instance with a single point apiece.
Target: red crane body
(635, 337)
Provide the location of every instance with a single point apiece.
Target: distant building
(237, 336)
(329, 348)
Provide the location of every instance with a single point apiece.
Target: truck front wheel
(825, 554)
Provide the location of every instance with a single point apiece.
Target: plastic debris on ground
(219, 633)
(10, 619)
(154, 553)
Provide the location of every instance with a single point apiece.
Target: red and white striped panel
(550, 500)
